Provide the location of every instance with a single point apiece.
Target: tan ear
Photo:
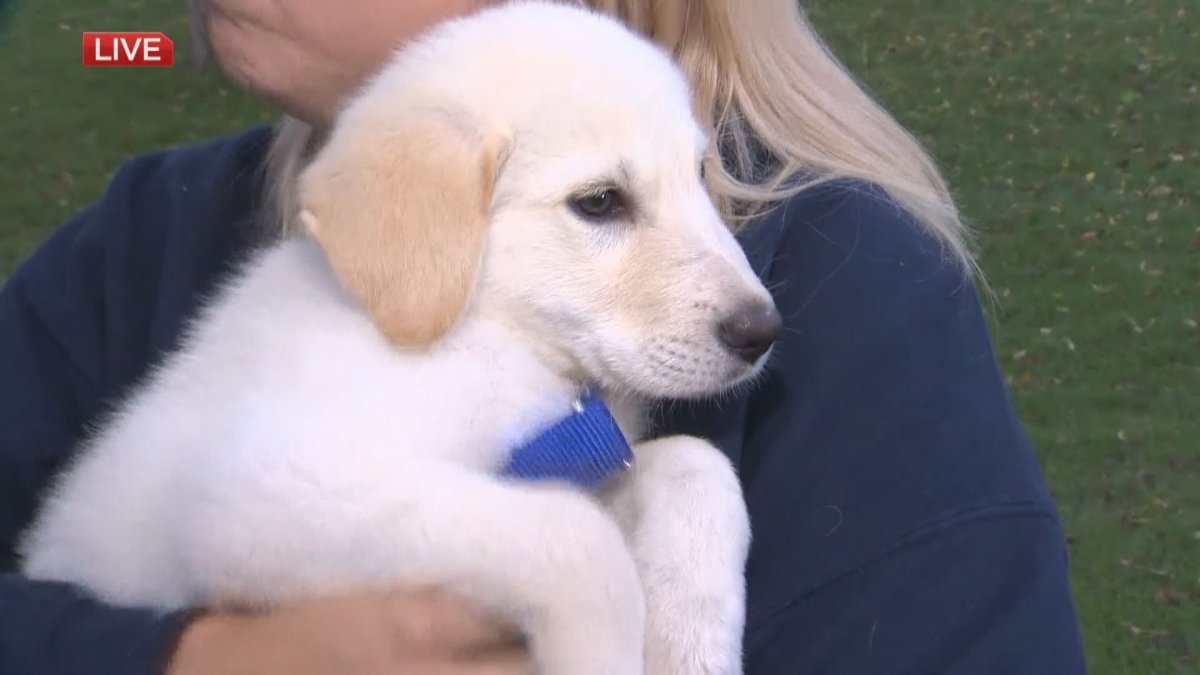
(400, 207)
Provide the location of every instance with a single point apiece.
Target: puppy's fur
(336, 415)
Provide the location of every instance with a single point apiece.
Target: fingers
(442, 623)
(510, 661)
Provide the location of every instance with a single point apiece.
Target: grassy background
(1069, 131)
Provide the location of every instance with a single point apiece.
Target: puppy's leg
(549, 559)
(682, 509)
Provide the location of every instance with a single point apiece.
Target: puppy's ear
(399, 203)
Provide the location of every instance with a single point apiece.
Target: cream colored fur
(335, 416)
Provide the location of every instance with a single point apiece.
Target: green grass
(1069, 132)
(64, 128)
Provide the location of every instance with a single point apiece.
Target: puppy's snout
(750, 330)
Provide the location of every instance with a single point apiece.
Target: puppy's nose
(751, 330)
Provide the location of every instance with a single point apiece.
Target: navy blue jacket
(901, 524)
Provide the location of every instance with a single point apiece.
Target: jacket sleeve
(46, 395)
(80, 321)
(52, 629)
(901, 524)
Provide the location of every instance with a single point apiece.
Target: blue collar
(584, 448)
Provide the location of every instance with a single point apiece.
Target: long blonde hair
(784, 113)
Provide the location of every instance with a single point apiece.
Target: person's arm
(51, 629)
(900, 521)
(51, 343)
(81, 321)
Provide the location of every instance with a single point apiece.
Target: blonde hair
(785, 115)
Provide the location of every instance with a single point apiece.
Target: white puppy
(511, 210)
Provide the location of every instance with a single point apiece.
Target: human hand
(307, 56)
(406, 630)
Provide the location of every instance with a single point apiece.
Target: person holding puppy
(900, 522)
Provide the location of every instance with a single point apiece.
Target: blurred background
(1070, 132)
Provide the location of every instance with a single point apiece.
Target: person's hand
(411, 630)
(306, 56)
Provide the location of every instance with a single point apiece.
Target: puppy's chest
(468, 414)
(472, 401)
(499, 423)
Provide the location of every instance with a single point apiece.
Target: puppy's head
(540, 165)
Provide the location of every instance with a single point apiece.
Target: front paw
(691, 546)
(696, 636)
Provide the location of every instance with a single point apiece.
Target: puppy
(511, 210)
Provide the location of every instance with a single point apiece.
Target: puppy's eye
(601, 206)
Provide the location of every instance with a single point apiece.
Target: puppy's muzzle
(750, 330)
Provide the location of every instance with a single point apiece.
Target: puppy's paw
(691, 545)
(698, 636)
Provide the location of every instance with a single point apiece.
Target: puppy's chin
(742, 378)
(701, 381)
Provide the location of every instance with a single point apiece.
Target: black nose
(751, 330)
